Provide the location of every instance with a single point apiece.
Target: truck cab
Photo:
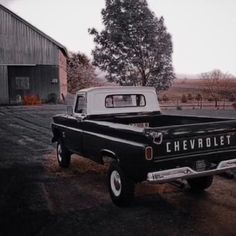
(115, 100)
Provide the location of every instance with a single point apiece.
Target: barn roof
(60, 46)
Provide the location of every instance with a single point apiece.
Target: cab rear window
(125, 100)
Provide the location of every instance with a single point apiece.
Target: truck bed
(176, 141)
(181, 135)
(157, 120)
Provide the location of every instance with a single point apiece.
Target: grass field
(190, 89)
(192, 86)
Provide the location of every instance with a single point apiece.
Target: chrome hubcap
(115, 182)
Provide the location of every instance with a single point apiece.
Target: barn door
(19, 80)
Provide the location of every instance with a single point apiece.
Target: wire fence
(177, 104)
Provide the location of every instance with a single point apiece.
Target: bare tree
(199, 100)
(216, 84)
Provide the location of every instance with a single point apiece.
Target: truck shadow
(166, 194)
(80, 201)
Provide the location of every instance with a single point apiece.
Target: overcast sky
(203, 31)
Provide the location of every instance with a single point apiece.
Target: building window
(22, 83)
(54, 81)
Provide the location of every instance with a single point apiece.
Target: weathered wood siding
(20, 44)
(3, 85)
(25, 51)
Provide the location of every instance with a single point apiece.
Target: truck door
(75, 136)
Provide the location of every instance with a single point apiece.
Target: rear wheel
(120, 187)
(63, 155)
(201, 183)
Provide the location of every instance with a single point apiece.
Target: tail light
(149, 153)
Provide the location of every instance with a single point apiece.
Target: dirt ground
(39, 198)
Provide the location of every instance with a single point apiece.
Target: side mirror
(69, 110)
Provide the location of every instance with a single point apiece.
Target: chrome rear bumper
(165, 176)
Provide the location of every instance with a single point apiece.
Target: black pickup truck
(124, 126)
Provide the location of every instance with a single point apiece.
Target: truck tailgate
(184, 140)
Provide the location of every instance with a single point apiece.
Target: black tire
(121, 188)
(63, 155)
(201, 183)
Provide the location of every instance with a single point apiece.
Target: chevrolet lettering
(124, 128)
(198, 143)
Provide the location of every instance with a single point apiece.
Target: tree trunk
(216, 102)
(144, 78)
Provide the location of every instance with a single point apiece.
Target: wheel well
(107, 156)
(56, 135)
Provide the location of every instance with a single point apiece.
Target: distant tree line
(214, 86)
(217, 86)
(183, 98)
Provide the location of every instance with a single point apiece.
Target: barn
(32, 64)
